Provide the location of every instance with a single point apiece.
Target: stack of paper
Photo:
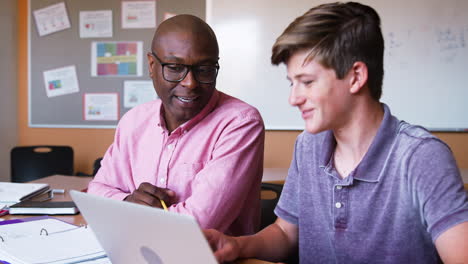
(49, 240)
(11, 193)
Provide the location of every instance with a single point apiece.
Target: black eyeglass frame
(189, 68)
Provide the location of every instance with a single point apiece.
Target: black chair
(270, 196)
(96, 166)
(34, 162)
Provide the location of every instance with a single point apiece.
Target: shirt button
(338, 205)
(162, 180)
(339, 187)
(170, 146)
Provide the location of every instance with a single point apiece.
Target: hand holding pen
(148, 194)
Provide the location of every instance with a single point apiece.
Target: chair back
(34, 162)
(96, 166)
(270, 193)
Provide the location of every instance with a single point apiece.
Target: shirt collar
(195, 120)
(370, 166)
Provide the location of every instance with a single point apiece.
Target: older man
(196, 148)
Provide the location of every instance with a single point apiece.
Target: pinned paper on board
(138, 14)
(138, 92)
(61, 81)
(117, 58)
(51, 19)
(101, 106)
(96, 24)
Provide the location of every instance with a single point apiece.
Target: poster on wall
(138, 14)
(138, 92)
(96, 24)
(101, 106)
(51, 19)
(61, 81)
(116, 58)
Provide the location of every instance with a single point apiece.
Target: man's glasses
(176, 72)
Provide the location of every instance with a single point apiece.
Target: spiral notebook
(48, 240)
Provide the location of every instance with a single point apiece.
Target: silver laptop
(133, 233)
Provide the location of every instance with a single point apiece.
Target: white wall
(8, 87)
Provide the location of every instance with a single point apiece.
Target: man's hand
(225, 248)
(148, 194)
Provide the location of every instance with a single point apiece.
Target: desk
(79, 183)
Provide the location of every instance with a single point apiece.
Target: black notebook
(48, 207)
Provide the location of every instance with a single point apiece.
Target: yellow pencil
(163, 204)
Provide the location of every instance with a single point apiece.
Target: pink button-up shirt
(213, 162)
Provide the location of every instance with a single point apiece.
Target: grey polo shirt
(405, 192)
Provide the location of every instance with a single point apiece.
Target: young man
(197, 149)
(363, 187)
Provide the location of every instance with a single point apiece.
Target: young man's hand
(225, 248)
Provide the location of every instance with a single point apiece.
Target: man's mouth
(187, 99)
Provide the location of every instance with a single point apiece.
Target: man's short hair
(337, 35)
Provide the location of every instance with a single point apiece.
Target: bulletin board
(65, 48)
(426, 58)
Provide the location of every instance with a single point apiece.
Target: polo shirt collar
(212, 103)
(371, 165)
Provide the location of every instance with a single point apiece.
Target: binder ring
(45, 231)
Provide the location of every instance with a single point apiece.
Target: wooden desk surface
(79, 183)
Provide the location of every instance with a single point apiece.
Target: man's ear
(358, 76)
(151, 62)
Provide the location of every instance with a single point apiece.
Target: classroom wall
(8, 91)
(92, 143)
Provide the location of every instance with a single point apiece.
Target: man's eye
(206, 69)
(175, 68)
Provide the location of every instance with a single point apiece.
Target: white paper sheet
(138, 92)
(101, 106)
(51, 19)
(61, 81)
(138, 14)
(96, 24)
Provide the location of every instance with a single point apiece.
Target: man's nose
(189, 81)
(295, 98)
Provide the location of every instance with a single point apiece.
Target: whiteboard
(426, 58)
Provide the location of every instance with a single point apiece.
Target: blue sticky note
(123, 68)
(101, 49)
